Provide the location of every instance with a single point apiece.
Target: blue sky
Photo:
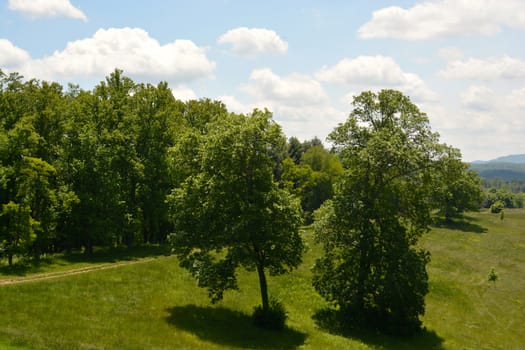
(461, 61)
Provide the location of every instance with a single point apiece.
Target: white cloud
(129, 49)
(308, 122)
(495, 68)
(294, 89)
(348, 98)
(483, 114)
(252, 41)
(450, 54)
(47, 8)
(298, 102)
(434, 19)
(183, 93)
(10, 55)
(479, 98)
(373, 72)
(234, 105)
(517, 98)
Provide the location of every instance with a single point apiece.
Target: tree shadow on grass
(331, 321)
(465, 224)
(231, 328)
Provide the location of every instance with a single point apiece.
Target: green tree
(30, 151)
(371, 268)
(17, 232)
(312, 178)
(158, 119)
(294, 149)
(231, 212)
(503, 196)
(457, 189)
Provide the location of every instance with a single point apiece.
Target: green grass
(73, 260)
(156, 305)
(467, 310)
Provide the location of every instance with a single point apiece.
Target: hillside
(499, 170)
(506, 168)
(155, 304)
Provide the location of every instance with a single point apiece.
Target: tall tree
(159, 119)
(32, 131)
(231, 212)
(371, 267)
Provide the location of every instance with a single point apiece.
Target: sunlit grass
(157, 305)
(463, 306)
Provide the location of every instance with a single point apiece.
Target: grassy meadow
(151, 303)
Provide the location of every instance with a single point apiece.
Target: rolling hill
(506, 168)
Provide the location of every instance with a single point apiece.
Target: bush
(497, 207)
(273, 318)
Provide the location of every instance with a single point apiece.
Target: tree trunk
(264, 288)
(10, 259)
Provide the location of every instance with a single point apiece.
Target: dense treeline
(514, 186)
(84, 168)
(309, 172)
(502, 198)
(80, 168)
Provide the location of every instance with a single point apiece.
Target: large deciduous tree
(371, 268)
(230, 212)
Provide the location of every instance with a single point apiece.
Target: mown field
(148, 302)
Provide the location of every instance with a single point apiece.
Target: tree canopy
(230, 212)
(371, 268)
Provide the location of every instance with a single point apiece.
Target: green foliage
(229, 212)
(503, 198)
(18, 229)
(273, 318)
(456, 188)
(514, 186)
(295, 149)
(497, 207)
(371, 268)
(91, 167)
(492, 277)
(312, 178)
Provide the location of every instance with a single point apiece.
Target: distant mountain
(513, 158)
(507, 170)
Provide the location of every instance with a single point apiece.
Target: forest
(126, 164)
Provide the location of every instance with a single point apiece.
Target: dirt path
(65, 273)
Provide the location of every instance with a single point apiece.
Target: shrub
(497, 207)
(273, 318)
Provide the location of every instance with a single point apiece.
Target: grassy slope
(156, 305)
(462, 306)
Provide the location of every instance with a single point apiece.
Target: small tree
(492, 277)
(497, 207)
(231, 213)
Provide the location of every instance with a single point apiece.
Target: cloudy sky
(461, 61)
